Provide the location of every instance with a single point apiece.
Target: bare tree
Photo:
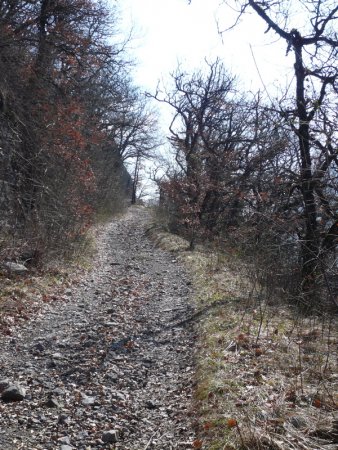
(64, 91)
(308, 29)
(214, 133)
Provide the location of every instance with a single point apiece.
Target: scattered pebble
(103, 368)
(110, 436)
(13, 393)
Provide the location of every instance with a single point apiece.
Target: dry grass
(266, 375)
(171, 242)
(22, 296)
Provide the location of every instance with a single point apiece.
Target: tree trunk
(135, 181)
(310, 242)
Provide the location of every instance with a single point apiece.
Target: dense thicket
(259, 172)
(69, 118)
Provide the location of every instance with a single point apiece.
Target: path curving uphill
(112, 366)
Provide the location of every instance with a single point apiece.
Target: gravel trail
(112, 366)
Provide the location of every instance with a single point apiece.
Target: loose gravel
(111, 365)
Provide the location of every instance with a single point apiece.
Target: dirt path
(110, 358)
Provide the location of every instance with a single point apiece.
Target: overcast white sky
(168, 31)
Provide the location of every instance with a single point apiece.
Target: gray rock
(110, 436)
(52, 403)
(112, 376)
(298, 422)
(15, 268)
(13, 393)
(87, 401)
(4, 384)
(39, 347)
(63, 419)
(58, 391)
(151, 405)
(110, 324)
(64, 440)
(82, 435)
(66, 447)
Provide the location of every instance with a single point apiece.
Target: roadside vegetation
(260, 169)
(252, 188)
(23, 295)
(71, 121)
(266, 373)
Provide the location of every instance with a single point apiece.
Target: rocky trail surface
(111, 366)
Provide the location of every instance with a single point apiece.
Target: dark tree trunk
(135, 181)
(310, 242)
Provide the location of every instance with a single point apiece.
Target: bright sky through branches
(170, 31)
